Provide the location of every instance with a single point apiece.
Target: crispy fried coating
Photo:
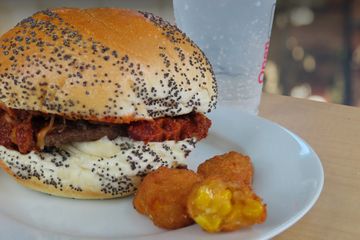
(231, 166)
(218, 198)
(162, 196)
(220, 205)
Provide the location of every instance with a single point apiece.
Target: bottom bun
(100, 169)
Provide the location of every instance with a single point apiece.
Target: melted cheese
(42, 133)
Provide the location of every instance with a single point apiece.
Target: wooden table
(334, 133)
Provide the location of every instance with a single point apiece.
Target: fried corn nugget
(231, 166)
(162, 196)
(217, 205)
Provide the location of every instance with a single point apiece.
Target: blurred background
(314, 52)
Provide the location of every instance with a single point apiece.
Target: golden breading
(218, 198)
(162, 196)
(219, 205)
(231, 166)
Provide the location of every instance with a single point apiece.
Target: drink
(242, 91)
(234, 34)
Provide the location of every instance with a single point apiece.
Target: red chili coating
(177, 128)
(23, 137)
(16, 130)
(5, 132)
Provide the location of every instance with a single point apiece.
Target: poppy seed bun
(95, 170)
(107, 65)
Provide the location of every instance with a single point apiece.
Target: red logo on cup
(262, 72)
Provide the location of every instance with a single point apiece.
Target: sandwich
(91, 100)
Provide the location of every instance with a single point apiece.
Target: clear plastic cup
(235, 36)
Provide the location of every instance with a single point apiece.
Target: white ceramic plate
(288, 176)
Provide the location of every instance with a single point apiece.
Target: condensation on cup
(235, 36)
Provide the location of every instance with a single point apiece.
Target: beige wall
(13, 11)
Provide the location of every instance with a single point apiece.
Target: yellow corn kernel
(211, 204)
(253, 209)
(246, 213)
(203, 198)
(209, 223)
(217, 206)
(236, 214)
(222, 203)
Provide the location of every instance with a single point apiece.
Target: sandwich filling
(27, 131)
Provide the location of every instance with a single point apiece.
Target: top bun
(103, 64)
